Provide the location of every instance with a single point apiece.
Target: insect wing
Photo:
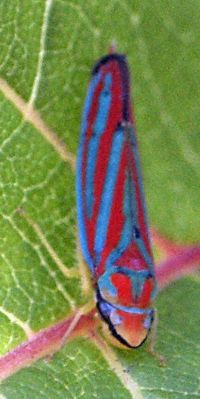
(111, 210)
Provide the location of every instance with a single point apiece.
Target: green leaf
(79, 369)
(47, 51)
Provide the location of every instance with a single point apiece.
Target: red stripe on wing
(114, 117)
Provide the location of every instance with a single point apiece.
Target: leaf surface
(47, 51)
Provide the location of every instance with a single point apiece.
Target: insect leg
(152, 341)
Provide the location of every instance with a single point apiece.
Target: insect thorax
(122, 286)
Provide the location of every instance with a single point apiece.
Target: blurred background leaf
(47, 51)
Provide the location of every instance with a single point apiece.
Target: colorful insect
(111, 208)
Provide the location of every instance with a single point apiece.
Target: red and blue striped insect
(111, 208)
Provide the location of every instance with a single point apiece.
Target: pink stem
(42, 344)
(164, 244)
(183, 262)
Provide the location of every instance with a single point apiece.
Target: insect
(112, 218)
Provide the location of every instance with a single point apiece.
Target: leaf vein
(33, 116)
(15, 320)
(36, 82)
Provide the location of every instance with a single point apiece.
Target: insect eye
(115, 318)
(105, 308)
(149, 320)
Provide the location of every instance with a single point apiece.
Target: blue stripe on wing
(79, 188)
(139, 240)
(93, 146)
(108, 191)
(127, 234)
(130, 232)
(139, 174)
